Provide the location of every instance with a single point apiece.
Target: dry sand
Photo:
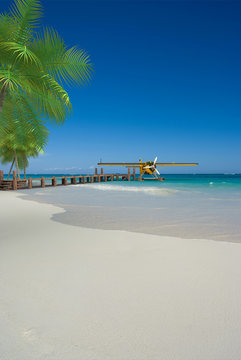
(77, 294)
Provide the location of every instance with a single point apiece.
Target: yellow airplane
(148, 167)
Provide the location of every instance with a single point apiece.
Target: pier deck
(29, 183)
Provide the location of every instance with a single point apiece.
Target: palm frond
(56, 89)
(77, 65)
(8, 79)
(23, 119)
(19, 52)
(7, 27)
(50, 49)
(27, 14)
(50, 106)
(44, 93)
(71, 66)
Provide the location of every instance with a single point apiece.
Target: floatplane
(148, 167)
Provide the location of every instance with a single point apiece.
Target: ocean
(180, 180)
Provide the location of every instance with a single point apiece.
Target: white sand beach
(71, 293)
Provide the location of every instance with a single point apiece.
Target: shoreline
(162, 211)
(70, 292)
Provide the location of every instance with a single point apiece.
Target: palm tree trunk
(24, 163)
(3, 94)
(10, 169)
(16, 163)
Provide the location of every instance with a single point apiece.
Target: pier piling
(64, 180)
(30, 184)
(129, 174)
(134, 174)
(15, 185)
(54, 181)
(42, 182)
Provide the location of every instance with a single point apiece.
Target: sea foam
(137, 189)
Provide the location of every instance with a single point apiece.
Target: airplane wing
(173, 164)
(138, 164)
(124, 164)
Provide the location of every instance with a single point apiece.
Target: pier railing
(29, 183)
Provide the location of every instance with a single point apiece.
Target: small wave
(146, 190)
(223, 199)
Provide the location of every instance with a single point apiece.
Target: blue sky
(167, 83)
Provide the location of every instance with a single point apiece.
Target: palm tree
(35, 65)
(23, 135)
(12, 150)
(6, 157)
(33, 68)
(30, 147)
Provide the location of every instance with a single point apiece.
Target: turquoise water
(217, 185)
(180, 180)
(202, 181)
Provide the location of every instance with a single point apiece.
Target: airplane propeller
(153, 166)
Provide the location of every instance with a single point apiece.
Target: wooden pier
(29, 183)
